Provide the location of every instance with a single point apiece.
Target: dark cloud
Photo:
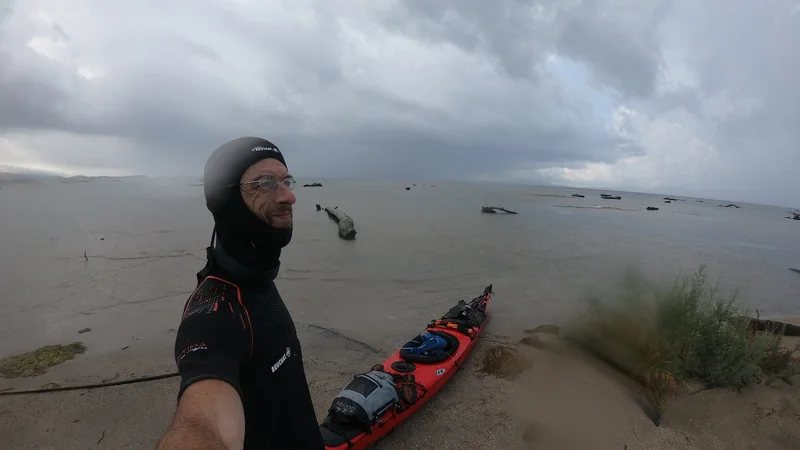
(627, 65)
(639, 95)
(509, 31)
(30, 102)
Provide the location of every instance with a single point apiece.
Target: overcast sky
(691, 97)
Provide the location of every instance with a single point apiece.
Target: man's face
(273, 206)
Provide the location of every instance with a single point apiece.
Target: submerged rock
(494, 209)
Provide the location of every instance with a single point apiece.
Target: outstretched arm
(213, 341)
(209, 417)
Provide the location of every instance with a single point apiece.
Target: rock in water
(494, 209)
(610, 197)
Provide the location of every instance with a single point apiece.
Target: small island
(77, 179)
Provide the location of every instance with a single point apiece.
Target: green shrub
(663, 337)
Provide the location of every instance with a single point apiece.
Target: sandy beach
(562, 401)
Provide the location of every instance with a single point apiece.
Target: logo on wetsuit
(282, 360)
(265, 149)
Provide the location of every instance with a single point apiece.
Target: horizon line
(33, 174)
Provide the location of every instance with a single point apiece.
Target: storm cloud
(690, 98)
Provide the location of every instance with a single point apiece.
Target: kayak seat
(433, 357)
(403, 366)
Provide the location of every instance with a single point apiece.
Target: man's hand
(210, 416)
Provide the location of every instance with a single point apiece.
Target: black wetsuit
(236, 328)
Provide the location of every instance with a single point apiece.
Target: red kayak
(376, 402)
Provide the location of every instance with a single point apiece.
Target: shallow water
(416, 253)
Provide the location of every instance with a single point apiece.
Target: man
(243, 383)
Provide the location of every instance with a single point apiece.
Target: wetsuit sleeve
(214, 336)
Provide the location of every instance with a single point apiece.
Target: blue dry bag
(431, 345)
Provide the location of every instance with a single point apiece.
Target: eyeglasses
(270, 183)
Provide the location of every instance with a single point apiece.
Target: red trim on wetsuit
(239, 299)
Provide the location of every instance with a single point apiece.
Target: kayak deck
(417, 377)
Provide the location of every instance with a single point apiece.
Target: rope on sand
(93, 386)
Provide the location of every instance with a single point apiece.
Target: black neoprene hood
(250, 241)
(227, 164)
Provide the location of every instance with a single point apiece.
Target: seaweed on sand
(38, 361)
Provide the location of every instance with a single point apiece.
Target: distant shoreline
(21, 176)
(35, 178)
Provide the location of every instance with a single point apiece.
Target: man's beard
(268, 216)
(251, 240)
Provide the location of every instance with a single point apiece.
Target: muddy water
(416, 253)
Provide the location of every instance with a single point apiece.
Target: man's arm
(212, 342)
(209, 417)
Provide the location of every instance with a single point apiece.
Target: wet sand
(469, 411)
